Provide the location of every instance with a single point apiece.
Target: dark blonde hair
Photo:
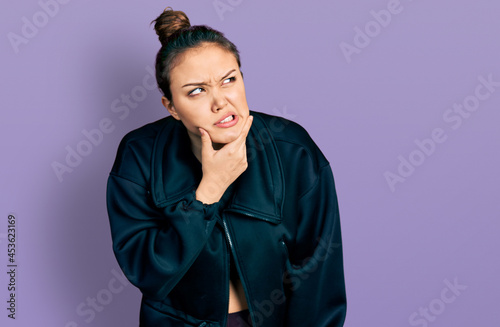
(177, 36)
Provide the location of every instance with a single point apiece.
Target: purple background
(402, 246)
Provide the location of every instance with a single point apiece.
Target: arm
(315, 280)
(155, 247)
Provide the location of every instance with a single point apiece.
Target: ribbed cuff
(209, 210)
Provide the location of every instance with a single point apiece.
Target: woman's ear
(170, 107)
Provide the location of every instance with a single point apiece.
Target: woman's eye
(195, 91)
(228, 80)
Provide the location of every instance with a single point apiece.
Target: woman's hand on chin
(221, 167)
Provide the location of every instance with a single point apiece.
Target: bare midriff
(237, 300)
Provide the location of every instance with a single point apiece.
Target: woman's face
(207, 88)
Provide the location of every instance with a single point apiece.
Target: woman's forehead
(202, 63)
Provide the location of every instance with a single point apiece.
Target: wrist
(209, 192)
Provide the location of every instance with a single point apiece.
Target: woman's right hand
(221, 167)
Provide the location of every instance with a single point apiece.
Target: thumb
(206, 142)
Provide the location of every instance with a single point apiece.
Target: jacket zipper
(228, 267)
(228, 237)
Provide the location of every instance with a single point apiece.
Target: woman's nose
(219, 101)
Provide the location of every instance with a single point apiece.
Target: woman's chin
(224, 138)
(220, 142)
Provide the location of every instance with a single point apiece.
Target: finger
(206, 142)
(239, 141)
(244, 131)
(247, 126)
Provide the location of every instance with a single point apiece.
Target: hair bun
(169, 22)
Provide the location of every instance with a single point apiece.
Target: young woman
(223, 216)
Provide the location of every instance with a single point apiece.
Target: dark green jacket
(279, 220)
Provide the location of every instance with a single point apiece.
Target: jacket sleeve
(315, 274)
(155, 246)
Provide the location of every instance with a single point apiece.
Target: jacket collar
(258, 192)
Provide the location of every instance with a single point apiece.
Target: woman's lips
(230, 120)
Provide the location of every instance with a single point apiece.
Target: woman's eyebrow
(205, 83)
(227, 74)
